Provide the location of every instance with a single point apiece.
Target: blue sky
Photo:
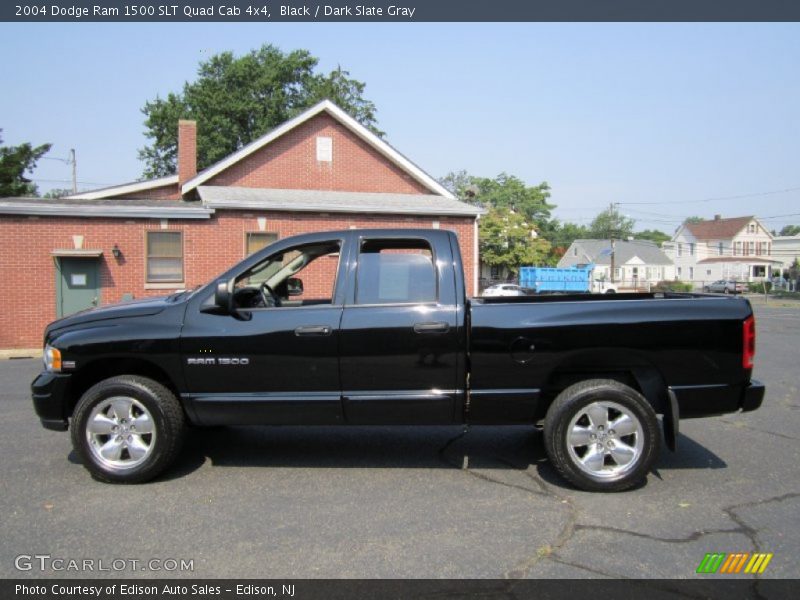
(658, 117)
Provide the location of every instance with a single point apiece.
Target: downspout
(475, 263)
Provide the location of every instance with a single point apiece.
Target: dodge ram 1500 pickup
(374, 327)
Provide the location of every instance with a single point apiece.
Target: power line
(719, 198)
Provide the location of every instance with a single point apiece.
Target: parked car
(503, 289)
(392, 339)
(726, 286)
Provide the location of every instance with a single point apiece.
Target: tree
(462, 185)
(508, 240)
(504, 191)
(561, 235)
(790, 230)
(610, 223)
(654, 235)
(691, 220)
(517, 213)
(15, 162)
(236, 100)
(58, 193)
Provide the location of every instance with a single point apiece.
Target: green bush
(673, 286)
(757, 287)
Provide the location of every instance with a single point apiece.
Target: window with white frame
(164, 257)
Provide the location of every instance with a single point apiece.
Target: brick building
(320, 171)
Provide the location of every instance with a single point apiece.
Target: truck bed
(524, 350)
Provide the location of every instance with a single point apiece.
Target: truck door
(399, 355)
(275, 361)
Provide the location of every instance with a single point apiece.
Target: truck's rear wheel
(127, 429)
(601, 435)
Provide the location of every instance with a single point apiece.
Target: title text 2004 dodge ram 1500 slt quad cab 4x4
(373, 327)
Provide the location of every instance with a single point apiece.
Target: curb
(15, 353)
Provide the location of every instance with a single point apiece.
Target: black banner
(318, 589)
(265, 11)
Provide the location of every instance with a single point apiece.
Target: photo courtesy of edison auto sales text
(125, 589)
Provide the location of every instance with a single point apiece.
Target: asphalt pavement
(417, 502)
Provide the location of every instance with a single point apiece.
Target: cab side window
(300, 276)
(395, 272)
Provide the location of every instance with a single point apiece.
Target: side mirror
(223, 299)
(294, 286)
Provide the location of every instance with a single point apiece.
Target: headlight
(52, 359)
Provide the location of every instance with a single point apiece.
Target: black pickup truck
(374, 327)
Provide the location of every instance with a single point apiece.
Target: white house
(637, 263)
(786, 248)
(738, 248)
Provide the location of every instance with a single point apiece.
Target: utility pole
(612, 213)
(74, 171)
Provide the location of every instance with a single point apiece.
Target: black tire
(602, 472)
(136, 456)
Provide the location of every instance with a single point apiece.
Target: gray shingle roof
(324, 201)
(599, 252)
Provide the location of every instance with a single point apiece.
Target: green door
(78, 285)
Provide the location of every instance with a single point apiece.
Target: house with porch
(738, 248)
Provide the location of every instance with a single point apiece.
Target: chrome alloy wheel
(605, 440)
(121, 433)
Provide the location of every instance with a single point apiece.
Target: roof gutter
(116, 211)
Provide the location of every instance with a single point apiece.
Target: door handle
(434, 327)
(313, 330)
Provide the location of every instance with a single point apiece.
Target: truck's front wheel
(601, 435)
(127, 429)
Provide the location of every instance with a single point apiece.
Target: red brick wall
(290, 162)
(167, 192)
(210, 247)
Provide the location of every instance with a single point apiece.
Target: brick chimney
(187, 150)
(717, 217)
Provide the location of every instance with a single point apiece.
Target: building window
(751, 248)
(324, 149)
(752, 228)
(759, 271)
(256, 241)
(164, 256)
(679, 271)
(691, 249)
(680, 249)
(719, 247)
(737, 249)
(708, 272)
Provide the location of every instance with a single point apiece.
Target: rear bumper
(49, 393)
(709, 400)
(753, 396)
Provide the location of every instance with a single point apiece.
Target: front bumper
(49, 393)
(753, 396)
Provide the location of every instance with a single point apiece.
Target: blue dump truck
(577, 279)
